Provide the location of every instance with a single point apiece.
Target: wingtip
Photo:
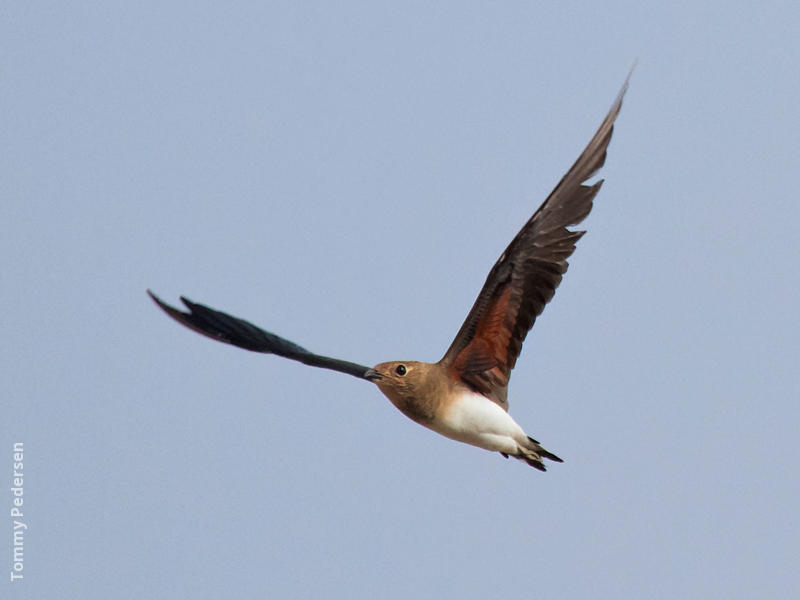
(155, 298)
(170, 310)
(621, 94)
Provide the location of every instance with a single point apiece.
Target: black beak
(372, 375)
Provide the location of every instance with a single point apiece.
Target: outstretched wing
(225, 328)
(526, 275)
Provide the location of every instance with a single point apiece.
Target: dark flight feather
(526, 275)
(232, 330)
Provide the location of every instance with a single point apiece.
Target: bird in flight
(464, 395)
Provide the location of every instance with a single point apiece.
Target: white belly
(474, 419)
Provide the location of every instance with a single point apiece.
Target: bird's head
(407, 383)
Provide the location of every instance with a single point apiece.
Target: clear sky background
(345, 174)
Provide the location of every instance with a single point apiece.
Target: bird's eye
(401, 370)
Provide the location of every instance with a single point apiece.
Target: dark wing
(238, 332)
(526, 275)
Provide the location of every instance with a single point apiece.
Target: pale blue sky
(345, 174)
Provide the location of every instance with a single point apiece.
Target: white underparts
(474, 419)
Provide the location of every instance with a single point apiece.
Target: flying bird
(464, 396)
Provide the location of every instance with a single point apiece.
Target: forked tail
(533, 453)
